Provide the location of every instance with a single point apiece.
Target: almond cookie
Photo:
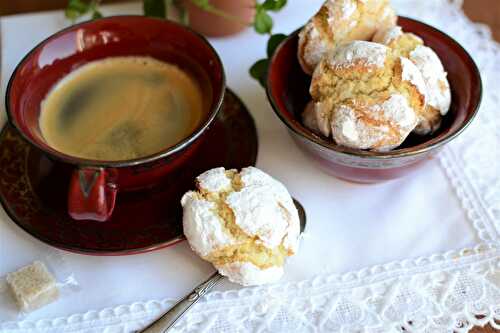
(432, 70)
(245, 224)
(367, 97)
(340, 21)
(309, 118)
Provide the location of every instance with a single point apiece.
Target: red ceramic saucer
(33, 191)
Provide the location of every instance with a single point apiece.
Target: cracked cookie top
(428, 63)
(245, 224)
(341, 21)
(366, 96)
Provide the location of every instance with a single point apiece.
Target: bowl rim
(83, 162)
(307, 134)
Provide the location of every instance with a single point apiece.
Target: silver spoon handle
(167, 320)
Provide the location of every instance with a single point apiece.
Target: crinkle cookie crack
(246, 248)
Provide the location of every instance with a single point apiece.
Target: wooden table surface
(485, 11)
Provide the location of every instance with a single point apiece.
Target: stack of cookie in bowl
(372, 83)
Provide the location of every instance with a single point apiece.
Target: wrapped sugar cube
(33, 286)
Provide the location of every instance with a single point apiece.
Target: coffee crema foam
(121, 108)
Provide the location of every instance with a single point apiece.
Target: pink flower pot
(213, 25)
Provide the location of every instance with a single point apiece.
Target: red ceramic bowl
(95, 183)
(288, 92)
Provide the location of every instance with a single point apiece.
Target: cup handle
(92, 194)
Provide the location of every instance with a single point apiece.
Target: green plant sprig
(78, 8)
(259, 69)
(262, 22)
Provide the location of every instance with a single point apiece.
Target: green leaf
(273, 43)
(274, 5)
(96, 14)
(259, 71)
(79, 6)
(203, 4)
(76, 8)
(154, 8)
(263, 23)
(71, 14)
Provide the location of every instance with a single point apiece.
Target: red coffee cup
(94, 184)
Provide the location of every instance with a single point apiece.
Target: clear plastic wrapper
(35, 284)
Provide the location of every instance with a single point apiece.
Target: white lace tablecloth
(420, 254)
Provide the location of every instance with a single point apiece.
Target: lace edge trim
(145, 309)
(465, 191)
(378, 273)
(449, 161)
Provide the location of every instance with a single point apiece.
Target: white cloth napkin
(421, 223)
